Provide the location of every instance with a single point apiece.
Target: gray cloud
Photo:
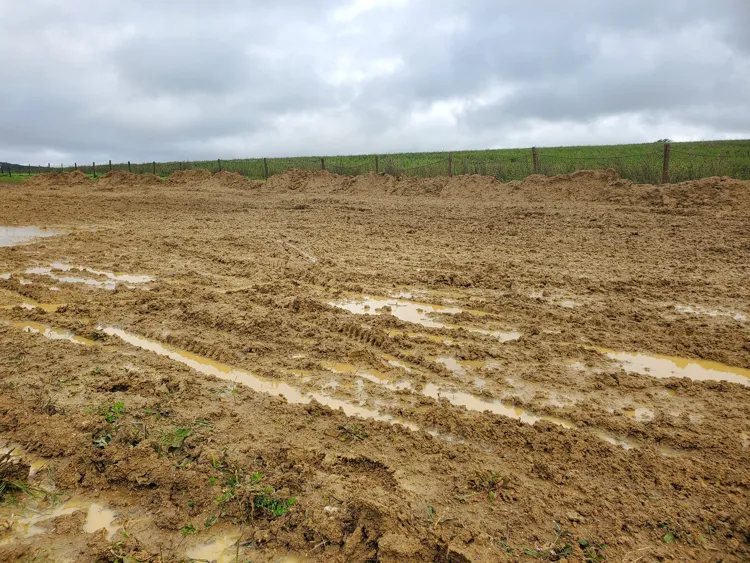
(138, 80)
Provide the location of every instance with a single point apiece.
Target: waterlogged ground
(328, 369)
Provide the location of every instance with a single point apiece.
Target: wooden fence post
(535, 159)
(265, 168)
(128, 166)
(29, 169)
(61, 168)
(450, 164)
(219, 161)
(665, 165)
(49, 168)
(377, 164)
(180, 165)
(75, 165)
(154, 167)
(93, 166)
(322, 163)
(110, 165)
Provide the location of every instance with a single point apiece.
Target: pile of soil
(235, 180)
(122, 179)
(188, 177)
(66, 179)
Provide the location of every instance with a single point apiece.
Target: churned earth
(330, 368)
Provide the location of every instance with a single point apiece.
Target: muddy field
(323, 368)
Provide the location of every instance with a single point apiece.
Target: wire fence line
(660, 163)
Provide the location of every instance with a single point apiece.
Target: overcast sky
(143, 80)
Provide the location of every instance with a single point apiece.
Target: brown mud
(372, 368)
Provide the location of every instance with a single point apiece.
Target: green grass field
(638, 162)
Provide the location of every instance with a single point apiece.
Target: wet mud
(321, 368)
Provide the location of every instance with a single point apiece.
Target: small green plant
(174, 440)
(493, 484)
(273, 506)
(103, 440)
(210, 521)
(97, 371)
(114, 412)
(592, 552)
(189, 529)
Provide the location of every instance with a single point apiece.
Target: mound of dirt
(122, 179)
(65, 179)
(235, 180)
(188, 177)
(605, 186)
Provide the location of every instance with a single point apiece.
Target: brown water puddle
(110, 283)
(474, 403)
(219, 549)
(417, 313)
(228, 373)
(672, 366)
(19, 300)
(51, 333)
(374, 376)
(462, 367)
(432, 337)
(13, 236)
(641, 414)
(30, 521)
(698, 310)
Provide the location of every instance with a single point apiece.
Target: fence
(654, 163)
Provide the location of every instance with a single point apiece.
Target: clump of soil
(65, 179)
(123, 179)
(188, 177)
(234, 180)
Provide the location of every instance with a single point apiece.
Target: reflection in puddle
(30, 304)
(51, 333)
(460, 367)
(228, 373)
(217, 549)
(112, 278)
(18, 453)
(407, 311)
(670, 366)
(371, 375)
(641, 414)
(474, 403)
(30, 522)
(417, 313)
(12, 236)
(696, 310)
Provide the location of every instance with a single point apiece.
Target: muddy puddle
(417, 313)
(260, 385)
(51, 333)
(462, 367)
(60, 272)
(33, 521)
(24, 302)
(371, 375)
(671, 366)
(12, 236)
(474, 403)
(219, 549)
(697, 310)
